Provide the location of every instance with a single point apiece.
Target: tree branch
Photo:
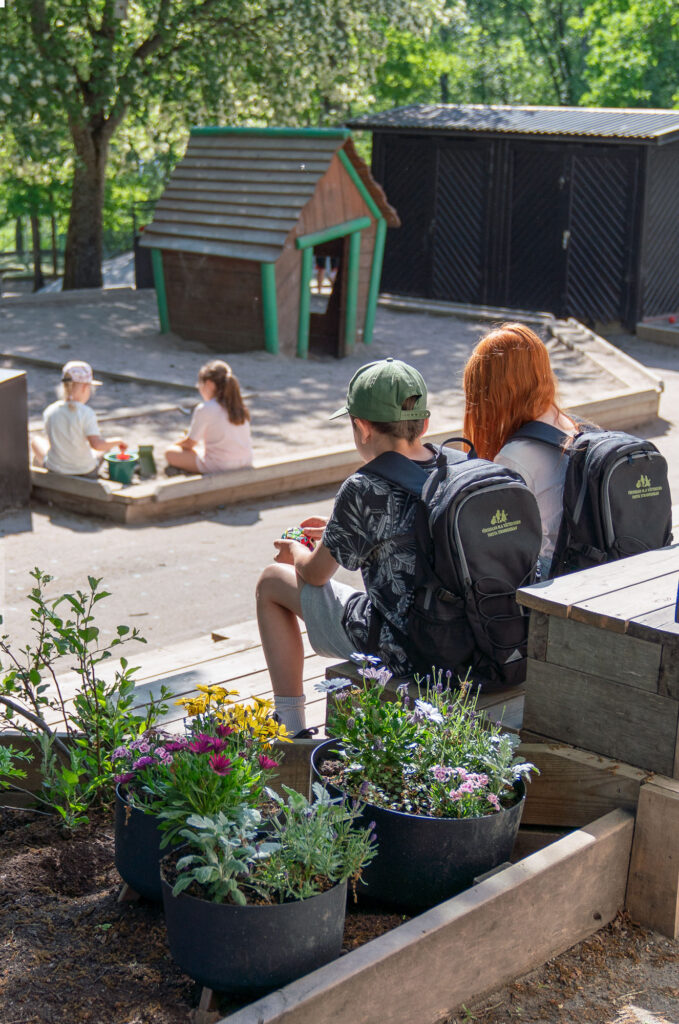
(553, 70)
(36, 720)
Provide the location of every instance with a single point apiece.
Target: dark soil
(70, 952)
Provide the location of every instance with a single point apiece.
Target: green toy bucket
(121, 470)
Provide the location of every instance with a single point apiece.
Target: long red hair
(508, 381)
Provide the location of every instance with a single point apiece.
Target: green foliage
(307, 848)
(438, 758)
(77, 747)
(9, 765)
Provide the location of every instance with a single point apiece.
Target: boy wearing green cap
(371, 528)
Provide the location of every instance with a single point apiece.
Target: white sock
(290, 710)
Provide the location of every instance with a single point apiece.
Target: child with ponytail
(219, 435)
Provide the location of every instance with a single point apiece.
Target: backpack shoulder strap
(544, 432)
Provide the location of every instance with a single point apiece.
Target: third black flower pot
(137, 848)
(253, 949)
(423, 860)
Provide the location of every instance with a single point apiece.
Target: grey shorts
(323, 611)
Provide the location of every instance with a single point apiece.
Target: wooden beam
(653, 888)
(575, 786)
(468, 945)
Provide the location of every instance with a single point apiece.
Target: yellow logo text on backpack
(644, 488)
(500, 524)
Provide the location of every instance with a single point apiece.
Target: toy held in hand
(122, 452)
(295, 533)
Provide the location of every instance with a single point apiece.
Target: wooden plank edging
(468, 945)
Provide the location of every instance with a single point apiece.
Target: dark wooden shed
(565, 209)
(234, 236)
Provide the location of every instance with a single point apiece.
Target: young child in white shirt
(219, 435)
(71, 427)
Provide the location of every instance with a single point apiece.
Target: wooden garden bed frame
(580, 858)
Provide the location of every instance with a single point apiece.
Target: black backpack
(477, 536)
(616, 497)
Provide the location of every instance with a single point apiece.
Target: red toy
(122, 453)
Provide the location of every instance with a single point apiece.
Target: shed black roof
(638, 125)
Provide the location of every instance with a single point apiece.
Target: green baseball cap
(378, 390)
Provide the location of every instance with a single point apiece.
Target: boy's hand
(314, 526)
(284, 551)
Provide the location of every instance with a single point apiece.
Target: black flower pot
(422, 860)
(137, 848)
(253, 949)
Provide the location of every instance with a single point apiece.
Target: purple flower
(120, 752)
(124, 777)
(223, 730)
(441, 773)
(143, 762)
(267, 762)
(174, 745)
(363, 791)
(220, 765)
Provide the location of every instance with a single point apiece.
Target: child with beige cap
(71, 427)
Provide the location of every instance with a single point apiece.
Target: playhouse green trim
(161, 294)
(281, 133)
(352, 290)
(347, 227)
(378, 251)
(304, 303)
(269, 307)
(374, 286)
(358, 182)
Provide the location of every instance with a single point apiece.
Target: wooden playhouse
(235, 233)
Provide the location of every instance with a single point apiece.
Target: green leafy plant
(75, 736)
(306, 850)
(434, 756)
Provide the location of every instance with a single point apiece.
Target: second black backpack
(616, 498)
(478, 535)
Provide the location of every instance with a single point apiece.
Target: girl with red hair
(509, 381)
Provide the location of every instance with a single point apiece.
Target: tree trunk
(55, 259)
(19, 237)
(82, 260)
(38, 279)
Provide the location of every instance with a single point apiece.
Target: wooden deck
(232, 657)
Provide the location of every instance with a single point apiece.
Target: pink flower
(220, 765)
(494, 801)
(173, 745)
(143, 762)
(124, 777)
(223, 730)
(467, 787)
(455, 794)
(267, 762)
(441, 773)
(202, 744)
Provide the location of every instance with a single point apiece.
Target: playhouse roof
(610, 123)
(238, 192)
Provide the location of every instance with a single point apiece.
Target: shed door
(602, 230)
(407, 173)
(459, 253)
(539, 213)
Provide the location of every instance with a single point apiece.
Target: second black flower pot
(423, 860)
(137, 848)
(252, 949)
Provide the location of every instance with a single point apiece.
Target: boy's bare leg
(279, 609)
(39, 449)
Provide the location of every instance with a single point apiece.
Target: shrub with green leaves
(74, 736)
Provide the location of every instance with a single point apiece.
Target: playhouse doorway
(326, 319)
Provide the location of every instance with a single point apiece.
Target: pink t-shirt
(224, 445)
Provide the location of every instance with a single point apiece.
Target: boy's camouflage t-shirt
(368, 515)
